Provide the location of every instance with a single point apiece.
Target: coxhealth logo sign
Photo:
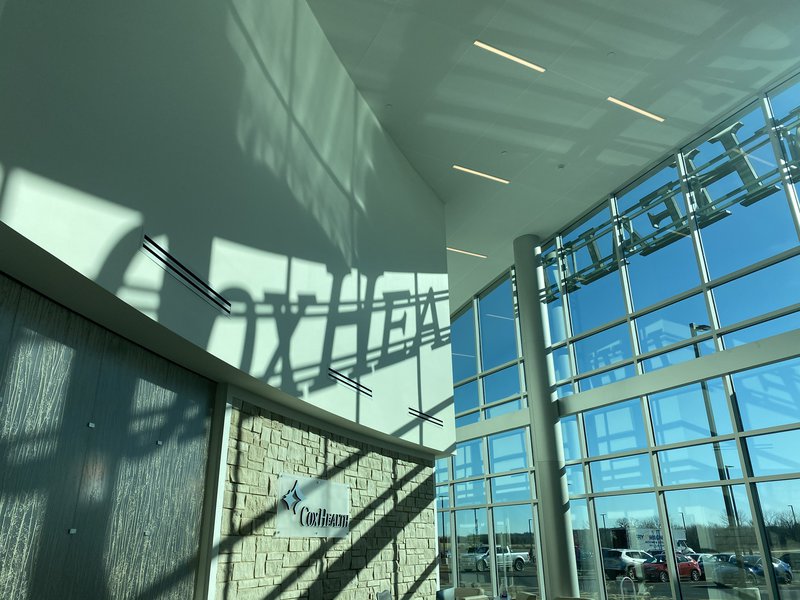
(312, 508)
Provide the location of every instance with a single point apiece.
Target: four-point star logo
(292, 498)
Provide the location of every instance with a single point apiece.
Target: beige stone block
(243, 570)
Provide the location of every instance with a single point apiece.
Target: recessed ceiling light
(516, 59)
(635, 109)
(479, 174)
(475, 254)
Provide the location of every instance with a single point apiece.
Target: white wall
(230, 133)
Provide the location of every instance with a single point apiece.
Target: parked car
(656, 568)
(783, 572)
(700, 558)
(623, 561)
(478, 558)
(726, 569)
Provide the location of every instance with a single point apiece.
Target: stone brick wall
(391, 545)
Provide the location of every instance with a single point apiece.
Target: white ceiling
(444, 101)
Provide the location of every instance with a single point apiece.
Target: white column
(558, 553)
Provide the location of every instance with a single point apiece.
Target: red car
(656, 568)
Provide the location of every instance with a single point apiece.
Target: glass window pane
(594, 286)
(775, 454)
(621, 473)
(564, 391)
(442, 497)
(561, 363)
(615, 428)
(472, 546)
(691, 412)
(601, 379)
(670, 324)
(469, 492)
(678, 356)
(503, 384)
(507, 451)
(715, 524)
(511, 488)
(768, 396)
(603, 349)
(445, 557)
(588, 580)
(575, 480)
(656, 240)
(465, 397)
(498, 331)
(462, 346)
(629, 525)
(596, 303)
(569, 436)
(468, 419)
(442, 469)
(710, 462)
(779, 503)
(468, 461)
(758, 332)
(514, 549)
(502, 409)
(756, 294)
(736, 183)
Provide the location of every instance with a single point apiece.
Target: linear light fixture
(516, 59)
(635, 109)
(479, 174)
(475, 254)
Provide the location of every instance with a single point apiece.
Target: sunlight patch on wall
(78, 228)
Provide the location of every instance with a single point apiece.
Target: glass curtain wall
(486, 356)
(689, 492)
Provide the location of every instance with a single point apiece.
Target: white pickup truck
(478, 558)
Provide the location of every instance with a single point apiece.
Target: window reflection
(511, 488)
(714, 528)
(630, 533)
(656, 239)
(445, 555)
(624, 473)
(468, 461)
(766, 290)
(775, 453)
(709, 462)
(670, 325)
(615, 428)
(465, 397)
(736, 184)
(472, 546)
(690, 412)
(498, 330)
(502, 384)
(767, 396)
(462, 345)
(779, 504)
(603, 349)
(515, 550)
(507, 451)
(469, 492)
(588, 581)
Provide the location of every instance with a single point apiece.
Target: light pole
(733, 500)
(727, 498)
(683, 518)
(794, 519)
(605, 531)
